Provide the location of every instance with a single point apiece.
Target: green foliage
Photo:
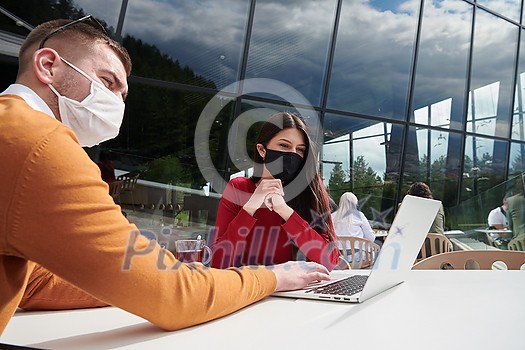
(168, 169)
(366, 184)
(337, 184)
(40, 11)
(160, 122)
(518, 163)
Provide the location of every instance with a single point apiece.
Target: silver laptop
(394, 261)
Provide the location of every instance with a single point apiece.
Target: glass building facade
(395, 92)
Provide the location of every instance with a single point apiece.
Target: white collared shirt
(31, 98)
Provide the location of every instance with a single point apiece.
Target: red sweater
(242, 239)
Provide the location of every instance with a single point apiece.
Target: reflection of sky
(208, 36)
(518, 127)
(384, 5)
(106, 10)
(367, 143)
(437, 115)
(438, 144)
(483, 145)
(484, 107)
(509, 8)
(290, 44)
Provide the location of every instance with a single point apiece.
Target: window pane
(359, 156)
(439, 91)
(517, 159)
(245, 128)
(485, 165)
(157, 135)
(203, 39)
(289, 43)
(108, 11)
(431, 157)
(373, 54)
(518, 127)
(491, 91)
(507, 8)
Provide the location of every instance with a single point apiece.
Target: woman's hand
(277, 203)
(265, 188)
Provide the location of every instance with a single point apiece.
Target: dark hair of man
(314, 196)
(420, 189)
(77, 35)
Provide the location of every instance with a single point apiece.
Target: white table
(431, 310)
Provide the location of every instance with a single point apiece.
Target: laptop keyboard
(348, 286)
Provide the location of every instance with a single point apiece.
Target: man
(516, 215)
(497, 218)
(58, 221)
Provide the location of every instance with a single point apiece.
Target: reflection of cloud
(106, 10)
(370, 148)
(207, 35)
(290, 42)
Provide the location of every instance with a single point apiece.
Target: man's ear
(45, 62)
(261, 150)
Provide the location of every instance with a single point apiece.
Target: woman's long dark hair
(314, 196)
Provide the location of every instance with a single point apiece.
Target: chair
(434, 243)
(363, 252)
(517, 243)
(115, 188)
(472, 260)
(129, 181)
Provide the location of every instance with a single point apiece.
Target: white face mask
(95, 119)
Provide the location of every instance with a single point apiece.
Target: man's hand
(298, 274)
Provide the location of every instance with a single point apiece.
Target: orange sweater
(55, 211)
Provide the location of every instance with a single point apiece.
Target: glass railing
(471, 216)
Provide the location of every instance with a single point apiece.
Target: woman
(421, 189)
(282, 210)
(350, 221)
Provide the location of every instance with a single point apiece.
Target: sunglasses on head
(87, 19)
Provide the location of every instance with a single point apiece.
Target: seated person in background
(283, 208)
(107, 167)
(80, 235)
(350, 221)
(497, 218)
(421, 189)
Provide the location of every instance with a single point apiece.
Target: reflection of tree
(517, 165)
(337, 184)
(478, 175)
(159, 122)
(149, 61)
(366, 184)
(167, 169)
(429, 171)
(37, 11)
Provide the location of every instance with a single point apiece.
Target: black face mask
(283, 165)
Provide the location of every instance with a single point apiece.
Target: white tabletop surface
(431, 310)
(494, 230)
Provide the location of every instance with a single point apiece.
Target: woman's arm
(313, 244)
(368, 233)
(317, 246)
(235, 216)
(233, 224)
